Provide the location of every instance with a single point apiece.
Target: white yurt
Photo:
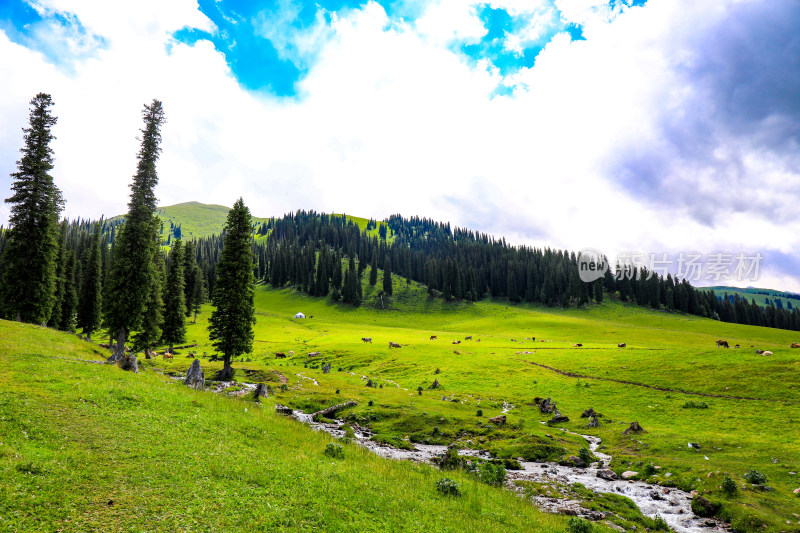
(299, 315)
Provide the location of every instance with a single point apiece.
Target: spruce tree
(174, 328)
(70, 300)
(149, 333)
(131, 281)
(190, 273)
(199, 294)
(90, 297)
(28, 284)
(373, 270)
(231, 322)
(387, 275)
(61, 265)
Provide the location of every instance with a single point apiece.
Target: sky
(659, 126)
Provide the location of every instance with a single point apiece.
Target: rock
(436, 385)
(545, 406)
(594, 422)
(703, 507)
(326, 369)
(558, 418)
(607, 474)
(668, 474)
(634, 428)
(629, 474)
(283, 410)
(195, 378)
(261, 391)
(614, 526)
(577, 462)
(654, 495)
(567, 511)
(499, 420)
(589, 413)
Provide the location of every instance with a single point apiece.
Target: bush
(649, 469)
(491, 474)
(479, 412)
(448, 487)
(284, 387)
(755, 477)
(334, 450)
(370, 403)
(585, 455)
(419, 390)
(729, 487)
(338, 391)
(695, 405)
(578, 525)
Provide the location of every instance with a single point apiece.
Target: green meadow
(175, 458)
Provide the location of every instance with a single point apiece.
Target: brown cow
(433, 337)
(167, 355)
(794, 345)
(721, 342)
(621, 345)
(468, 338)
(393, 345)
(280, 355)
(577, 345)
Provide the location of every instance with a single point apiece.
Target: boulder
(634, 428)
(703, 507)
(558, 418)
(195, 378)
(283, 410)
(499, 420)
(607, 474)
(629, 474)
(326, 369)
(589, 413)
(261, 391)
(436, 385)
(545, 405)
(594, 422)
(575, 461)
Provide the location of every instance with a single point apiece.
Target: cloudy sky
(658, 126)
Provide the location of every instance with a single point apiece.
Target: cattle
(794, 345)
(759, 352)
(393, 345)
(766, 352)
(433, 337)
(513, 340)
(313, 354)
(291, 352)
(456, 342)
(577, 345)
(621, 345)
(736, 346)
(478, 340)
(366, 339)
(468, 338)
(721, 342)
(167, 355)
(280, 355)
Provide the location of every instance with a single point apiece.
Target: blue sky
(658, 126)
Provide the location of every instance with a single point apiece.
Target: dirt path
(645, 385)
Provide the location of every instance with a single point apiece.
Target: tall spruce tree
(373, 270)
(148, 335)
(231, 322)
(70, 300)
(90, 298)
(387, 275)
(28, 284)
(133, 271)
(174, 329)
(61, 265)
(190, 272)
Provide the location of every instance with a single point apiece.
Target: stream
(671, 504)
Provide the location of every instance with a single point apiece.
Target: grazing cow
(736, 346)
(366, 339)
(621, 345)
(291, 352)
(433, 337)
(766, 352)
(393, 345)
(468, 338)
(759, 352)
(513, 340)
(456, 342)
(167, 355)
(794, 345)
(721, 342)
(280, 355)
(313, 354)
(577, 345)
(478, 340)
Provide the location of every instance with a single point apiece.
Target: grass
(502, 370)
(87, 447)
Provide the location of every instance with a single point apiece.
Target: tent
(299, 315)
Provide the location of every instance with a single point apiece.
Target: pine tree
(199, 294)
(90, 297)
(190, 273)
(61, 265)
(231, 323)
(131, 286)
(70, 300)
(153, 316)
(387, 275)
(28, 284)
(174, 328)
(373, 270)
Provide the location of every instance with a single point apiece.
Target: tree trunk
(171, 350)
(19, 316)
(89, 336)
(226, 374)
(125, 360)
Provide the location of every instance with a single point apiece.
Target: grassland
(751, 420)
(752, 293)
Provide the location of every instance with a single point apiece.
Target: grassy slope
(751, 294)
(87, 447)
(664, 350)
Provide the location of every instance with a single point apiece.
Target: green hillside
(759, 295)
(139, 437)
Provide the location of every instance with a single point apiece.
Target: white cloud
(392, 120)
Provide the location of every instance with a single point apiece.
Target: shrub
(479, 412)
(659, 524)
(649, 469)
(284, 387)
(448, 487)
(729, 487)
(334, 450)
(585, 455)
(578, 525)
(348, 432)
(695, 405)
(338, 391)
(755, 477)
(419, 390)
(370, 403)
(491, 474)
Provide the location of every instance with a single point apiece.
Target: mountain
(781, 299)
